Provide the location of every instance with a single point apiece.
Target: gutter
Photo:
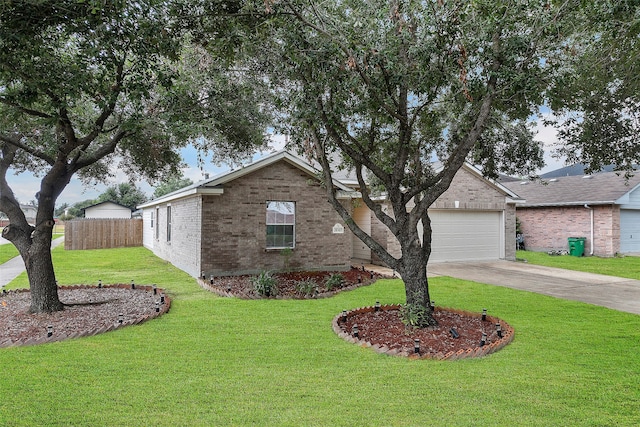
(591, 240)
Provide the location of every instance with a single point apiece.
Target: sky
(25, 185)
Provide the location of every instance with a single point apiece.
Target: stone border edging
(507, 336)
(164, 308)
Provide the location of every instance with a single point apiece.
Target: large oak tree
(87, 86)
(385, 87)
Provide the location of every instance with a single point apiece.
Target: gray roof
(598, 189)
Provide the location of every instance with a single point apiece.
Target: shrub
(306, 286)
(334, 280)
(265, 284)
(415, 315)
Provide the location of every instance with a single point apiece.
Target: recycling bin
(576, 246)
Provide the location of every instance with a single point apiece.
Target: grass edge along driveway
(225, 361)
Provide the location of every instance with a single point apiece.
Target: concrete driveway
(607, 291)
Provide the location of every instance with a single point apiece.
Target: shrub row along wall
(102, 233)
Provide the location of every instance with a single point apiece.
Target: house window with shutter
(281, 222)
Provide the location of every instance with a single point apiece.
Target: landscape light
(359, 278)
(155, 289)
(344, 315)
(49, 330)
(454, 333)
(133, 285)
(377, 306)
(211, 279)
(161, 298)
(416, 346)
(484, 314)
(157, 306)
(120, 318)
(483, 340)
(100, 283)
(356, 332)
(499, 330)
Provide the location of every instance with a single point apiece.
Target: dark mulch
(291, 285)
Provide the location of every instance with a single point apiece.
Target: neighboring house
(604, 208)
(110, 210)
(30, 212)
(241, 221)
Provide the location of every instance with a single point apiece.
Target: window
(157, 227)
(168, 223)
(281, 220)
(151, 219)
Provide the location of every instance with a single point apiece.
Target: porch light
(120, 318)
(484, 314)
(355, 331)
(483, 340)
(454, 333)
(377, 306)
(499, 330)
(416, 346)
(49, 331)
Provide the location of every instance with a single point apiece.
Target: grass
(8, 250)
(628, 266)
(224, 361)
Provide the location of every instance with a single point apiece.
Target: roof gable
(215, 185)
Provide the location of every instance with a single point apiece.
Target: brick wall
(184, 249)
(549, 228)
(234, 224)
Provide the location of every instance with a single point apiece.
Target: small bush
(415, 315)
(306, 286)
(265, 284)
(334, 280)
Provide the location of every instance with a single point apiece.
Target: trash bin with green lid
(576, 246)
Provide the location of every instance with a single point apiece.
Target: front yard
(225, 361)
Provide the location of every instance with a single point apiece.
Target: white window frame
(284, 216)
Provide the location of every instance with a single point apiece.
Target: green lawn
(628, 266)
(7, 251)
(222, 361)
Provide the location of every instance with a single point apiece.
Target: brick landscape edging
(507, 336)
(163, 308)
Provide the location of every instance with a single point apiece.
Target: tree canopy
(173, 183)
(88, 86)
(385, 88)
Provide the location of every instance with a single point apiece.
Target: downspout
(591, 240)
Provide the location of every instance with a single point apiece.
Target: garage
(629, 230)
(466, 235)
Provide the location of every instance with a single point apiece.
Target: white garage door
(465, 235)
(629, 231)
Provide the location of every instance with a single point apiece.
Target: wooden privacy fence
(102, 233)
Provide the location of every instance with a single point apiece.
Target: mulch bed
(289, 284)
(88, 310)
(458, 334)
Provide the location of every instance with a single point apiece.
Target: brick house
(604, 208)
(240, 222)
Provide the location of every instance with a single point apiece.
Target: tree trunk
(413, 270)
(42, 278)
